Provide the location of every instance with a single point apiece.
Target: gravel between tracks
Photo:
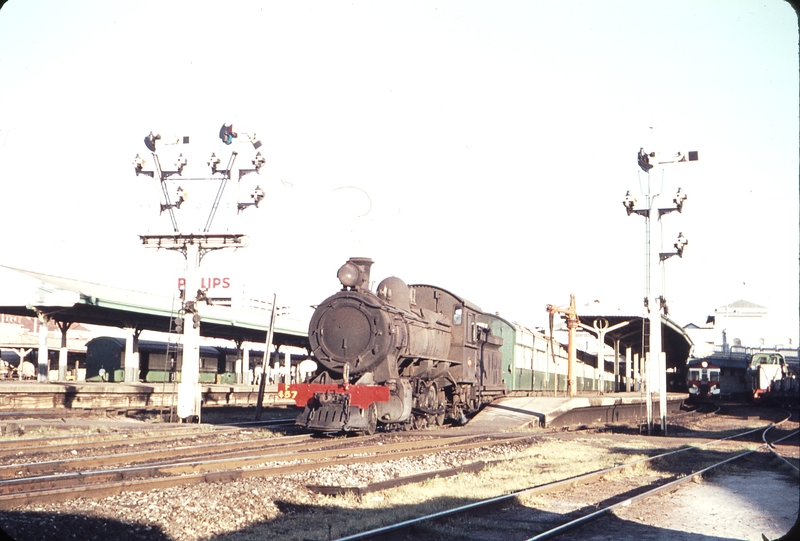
(727, 506)
(212, 511)
(234, 510)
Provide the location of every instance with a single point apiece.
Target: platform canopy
(675, 341)
(28, 293)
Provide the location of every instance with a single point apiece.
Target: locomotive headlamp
(348, 274)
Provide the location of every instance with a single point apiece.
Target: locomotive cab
(765, 371)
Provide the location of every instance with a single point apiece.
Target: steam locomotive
(404, 357)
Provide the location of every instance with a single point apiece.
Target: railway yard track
(252, 481)
(493, 514)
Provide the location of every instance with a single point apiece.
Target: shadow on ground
(33, 526)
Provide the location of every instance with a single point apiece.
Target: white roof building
(740, 323)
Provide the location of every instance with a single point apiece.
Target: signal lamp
(644, 160)
(150, 141)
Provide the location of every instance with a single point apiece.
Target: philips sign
(208, 283)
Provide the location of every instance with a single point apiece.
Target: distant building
(740, 324)
(703, 339)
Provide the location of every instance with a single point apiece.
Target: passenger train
(409, 356)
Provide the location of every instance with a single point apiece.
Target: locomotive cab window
(457, 316)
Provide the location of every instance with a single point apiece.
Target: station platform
(504, 414)
(558, 412)
(32, 395)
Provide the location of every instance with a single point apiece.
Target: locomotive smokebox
(354, 275)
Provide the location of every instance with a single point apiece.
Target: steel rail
(50, 488)
(280, 447)
(300, 451)
(772, 450)
(11, 471)
(547, 487)
(771, 445)
(40, 445)
(597, 514)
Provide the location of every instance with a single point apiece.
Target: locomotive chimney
(355, 273)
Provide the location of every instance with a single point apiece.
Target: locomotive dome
(394, 291)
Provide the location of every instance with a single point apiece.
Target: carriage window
(457, 316)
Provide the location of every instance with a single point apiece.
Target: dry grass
(44, 431)
(538, 464)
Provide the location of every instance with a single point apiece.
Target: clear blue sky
(485, 146)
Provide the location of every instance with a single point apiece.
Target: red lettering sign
(208, 283)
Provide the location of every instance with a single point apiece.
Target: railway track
(262, 470)
(426, 527)
(287, 490)
(100, 476)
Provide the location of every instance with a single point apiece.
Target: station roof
(27, 293)
(675, 341)
(628, 330)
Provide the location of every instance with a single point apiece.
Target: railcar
(405, 356)
(703, 381)
(749, 377)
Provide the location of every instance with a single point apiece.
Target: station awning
(675, 341)
(28, 293)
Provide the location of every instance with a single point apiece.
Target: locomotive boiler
(401, 357)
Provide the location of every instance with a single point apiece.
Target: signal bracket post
(655, 357)
(193, 247)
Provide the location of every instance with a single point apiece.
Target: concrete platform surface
(16, 395)
(543, 411)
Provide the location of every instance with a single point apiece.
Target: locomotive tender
(403, 357)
